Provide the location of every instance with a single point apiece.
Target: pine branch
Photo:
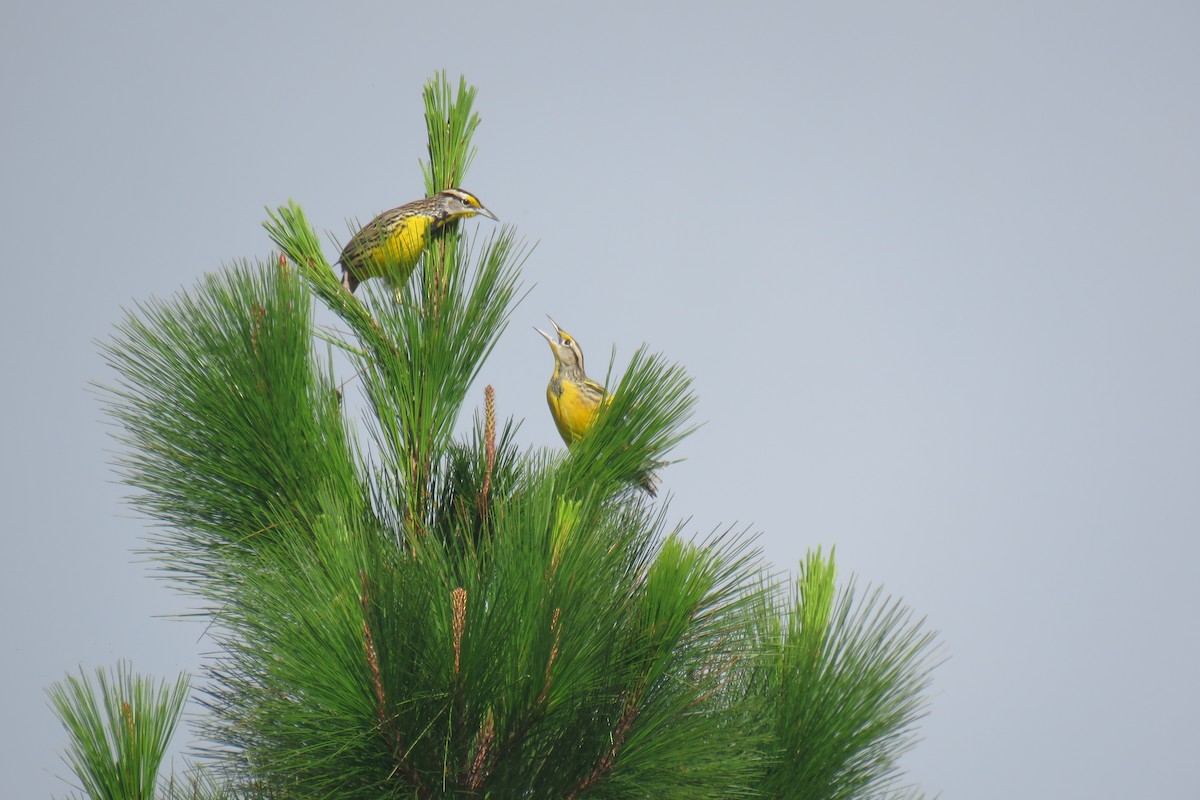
(119, 727)
(633, 435)
(233, 432)
(851, 678)
(450, 122)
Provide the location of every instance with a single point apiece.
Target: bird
(389, 245)
(576, 400)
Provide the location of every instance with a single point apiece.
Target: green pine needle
(119, 726)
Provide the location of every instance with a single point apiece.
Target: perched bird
(575, 399)
(389, 245)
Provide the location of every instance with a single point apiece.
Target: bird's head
(567, 353)
(455, 204)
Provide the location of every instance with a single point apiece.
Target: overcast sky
(934, 267)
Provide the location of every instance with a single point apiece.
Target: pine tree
(402, 612)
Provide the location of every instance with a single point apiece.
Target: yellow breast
(396, 254)
(574, 410)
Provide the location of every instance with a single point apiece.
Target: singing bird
(575, 399)
(390, 245)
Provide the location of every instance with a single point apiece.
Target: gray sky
(935, 269)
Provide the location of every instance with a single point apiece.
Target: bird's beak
(555, 342)
(549, 339)
(483, 212)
